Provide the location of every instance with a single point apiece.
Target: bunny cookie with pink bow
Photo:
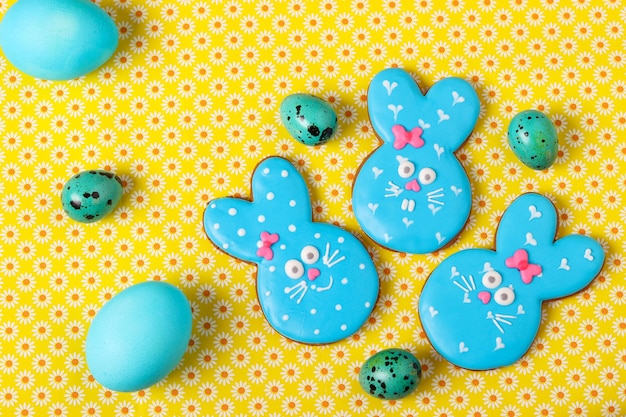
(316, 282)
(481, 309)
(412, 194)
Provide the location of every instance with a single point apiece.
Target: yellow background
(184, 112)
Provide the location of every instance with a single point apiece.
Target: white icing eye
(492, 279)
(406, 169)
(294, 269)
(427, 176)
(504, 296)
(309, 255)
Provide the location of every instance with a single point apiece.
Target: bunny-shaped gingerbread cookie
(412, 194)
(316, 282)
(481, 309)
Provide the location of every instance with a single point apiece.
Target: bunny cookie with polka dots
(316, 282)
(412, 194)
(481, 309)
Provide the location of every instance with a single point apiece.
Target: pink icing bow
(267, 240)
(527, 270)
(404, 138)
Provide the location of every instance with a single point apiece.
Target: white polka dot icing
(316, 282)
(481, 309)
(412, 194)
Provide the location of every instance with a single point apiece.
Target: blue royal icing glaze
(481, 309)
(412, 194)
(316, 282)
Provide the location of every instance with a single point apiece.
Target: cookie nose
(484, 296)
(313, 273)
(412, 186)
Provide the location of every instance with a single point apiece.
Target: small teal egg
(139, 336)
(309, 119)
(533, 139)
(57, 39)
(391, 374)
(90, 195)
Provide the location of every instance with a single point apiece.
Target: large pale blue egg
(139, 336)
(57, 39)
(533, 139)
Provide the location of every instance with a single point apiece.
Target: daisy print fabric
(186, 109)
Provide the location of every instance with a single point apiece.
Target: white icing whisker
(394, 190)
(300, 288)
(498, 326)
(460, 286)
(467, 284)
(501, 320)
(434, 195)
(505, 316)
(330, 261)
(438, 190)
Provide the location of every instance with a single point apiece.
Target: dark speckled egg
(309, 119)
(90, 195)
(390, 374)
(533, 139)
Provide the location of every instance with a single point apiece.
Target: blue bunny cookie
(316, 282)
(481, 309)
(412, 194)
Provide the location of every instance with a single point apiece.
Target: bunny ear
(525, 238)
(569, 266)
(529, 222)
(224, 224)
(447, 114)
(248, 229)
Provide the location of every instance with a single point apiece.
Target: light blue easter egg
(90, 195)
(309, 119)
(57, 39)
(139, 336)
(533, 139)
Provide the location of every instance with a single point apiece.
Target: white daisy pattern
(188, 106)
